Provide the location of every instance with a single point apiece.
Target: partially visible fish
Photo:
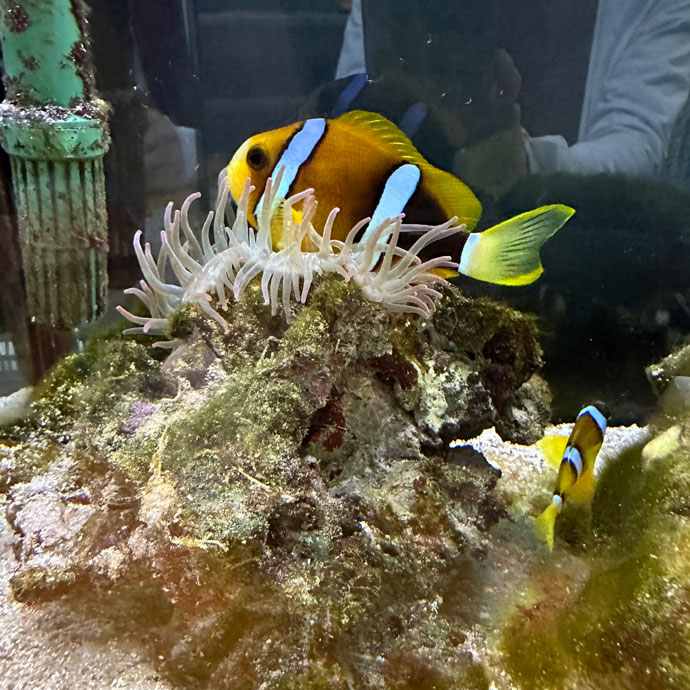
(364, 165)
(575, 456)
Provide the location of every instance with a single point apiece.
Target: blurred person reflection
(638, 82)
(351, 60)
(624, 65)
(430, 68)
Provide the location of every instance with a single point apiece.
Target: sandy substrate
(47, 648)
(512, 457)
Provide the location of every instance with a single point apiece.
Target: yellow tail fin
(546, 522)
(508, 253)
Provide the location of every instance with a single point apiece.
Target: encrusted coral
(401, 282)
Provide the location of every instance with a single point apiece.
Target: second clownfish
(575, 456)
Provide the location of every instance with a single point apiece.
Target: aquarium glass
(115, 109)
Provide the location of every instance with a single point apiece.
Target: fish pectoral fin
(553, 448)
(278, 226)
(445, 273)
(545, 524)
(278, 239)
(583, 488)
(508, 253)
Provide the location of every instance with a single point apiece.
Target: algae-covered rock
(289, 506)
(677, 364)
(277, 505)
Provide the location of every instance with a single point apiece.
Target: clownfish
(575, 456)
(364, 165)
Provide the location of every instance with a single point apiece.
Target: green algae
(248, 409)
(183, 322)
(90, 381)
(135, 457)
(627, 628)
(330, 295)
(472, 322)
(337, 318)
(628, 620)
(308, 337)
(625, 502)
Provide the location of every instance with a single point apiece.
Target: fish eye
(257, 158)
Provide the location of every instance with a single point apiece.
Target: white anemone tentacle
(286, 252)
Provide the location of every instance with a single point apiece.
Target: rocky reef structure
(280, 505)
(274, 504)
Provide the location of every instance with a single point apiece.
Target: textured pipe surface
(54, 127)
(63, 235)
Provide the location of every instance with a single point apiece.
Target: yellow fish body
(575, 456)
(364, 165)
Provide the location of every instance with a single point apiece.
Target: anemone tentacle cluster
(225, 259)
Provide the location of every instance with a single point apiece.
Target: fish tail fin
(544, 525)
(583, 488)
(508, 253)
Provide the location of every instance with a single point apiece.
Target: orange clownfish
(364, 165)
(575, 456)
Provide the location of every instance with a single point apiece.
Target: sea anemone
(225, 261)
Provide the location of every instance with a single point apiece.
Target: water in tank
(345, 344)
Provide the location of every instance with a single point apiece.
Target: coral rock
(277, 505)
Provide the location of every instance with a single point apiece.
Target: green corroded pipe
(54, 128)
(43, 52)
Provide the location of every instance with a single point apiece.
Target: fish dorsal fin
(553, 448)
(384, 131)
(453, 195)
